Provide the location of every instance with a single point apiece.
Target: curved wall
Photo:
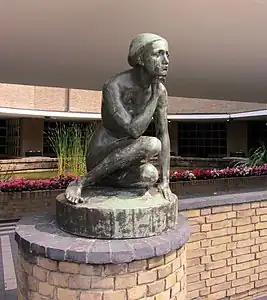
(88, 101)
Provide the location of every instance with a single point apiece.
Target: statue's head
(150, 51)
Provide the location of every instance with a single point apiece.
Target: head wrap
(138, 45)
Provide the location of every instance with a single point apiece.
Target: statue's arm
(112, 102)
(140, 123)
(133, 126)
(161, 123)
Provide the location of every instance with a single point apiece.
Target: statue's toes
(71, 199)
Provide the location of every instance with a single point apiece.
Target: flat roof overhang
(76, 116)
(218, 48)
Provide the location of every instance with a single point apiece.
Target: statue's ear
(140, 61)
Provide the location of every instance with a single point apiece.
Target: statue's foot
(73, 192)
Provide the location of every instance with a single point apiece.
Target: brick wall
(159, 278)
(227, 252)
(16, 205)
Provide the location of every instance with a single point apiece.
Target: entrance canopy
(218, 48)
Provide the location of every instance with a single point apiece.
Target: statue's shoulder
(117, 82)
(110, 84)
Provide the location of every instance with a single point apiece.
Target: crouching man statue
(118, 153)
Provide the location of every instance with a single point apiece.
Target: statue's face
(156, 59)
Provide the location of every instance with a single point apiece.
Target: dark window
(47, 148)
(10, 137)
(3, 136)
(257, 133)
(202, 139)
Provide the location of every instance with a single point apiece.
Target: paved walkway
(8, 250)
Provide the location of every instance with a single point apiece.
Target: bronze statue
(118, 153)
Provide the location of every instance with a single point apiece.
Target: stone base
(111, 213)
(54, 265)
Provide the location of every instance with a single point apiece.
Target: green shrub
(70, 144)
(258, 156)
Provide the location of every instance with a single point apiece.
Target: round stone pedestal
(54, 265)
(111, 213)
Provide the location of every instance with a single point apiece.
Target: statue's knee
(152, 145)
(149, 173)
(155, 145)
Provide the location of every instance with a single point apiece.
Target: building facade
(197, 127)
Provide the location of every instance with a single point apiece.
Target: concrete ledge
(28, 164)
(224, 199)
(39, 235)
(207, 187)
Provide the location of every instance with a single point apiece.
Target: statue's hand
(73, 192)
(157, 87)
(164, 188)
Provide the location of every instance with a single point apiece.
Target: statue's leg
(124, 157)
(142, 176)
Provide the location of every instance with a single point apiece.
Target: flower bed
(202, 174)
(201, 182)
(20, 184)
(21, 196)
